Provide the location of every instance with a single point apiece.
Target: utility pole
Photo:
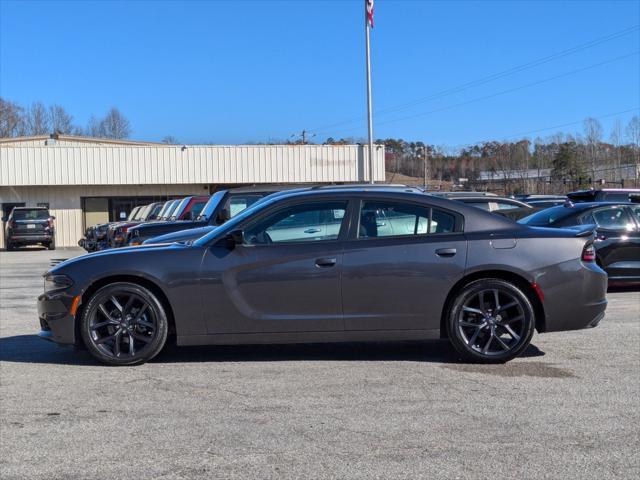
(426, 168)
(368, 24)
(303, 135)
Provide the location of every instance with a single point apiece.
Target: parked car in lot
(542, 201)
(324, 265)
(222, 206)
(29, 226)
(606, 195)
(95, 236)
(617, 243)
(116, 232)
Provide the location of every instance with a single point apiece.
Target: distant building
(85, 181)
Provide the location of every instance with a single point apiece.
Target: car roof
(475, 219)
(30, 208)
(462, 194)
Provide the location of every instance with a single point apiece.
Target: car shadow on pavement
(31, 349)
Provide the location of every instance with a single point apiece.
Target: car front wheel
(490, 321)
(124, 324)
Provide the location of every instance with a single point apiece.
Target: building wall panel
(146, 165)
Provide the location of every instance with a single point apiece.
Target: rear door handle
(312, 230)
(446, 252)
(325, 262)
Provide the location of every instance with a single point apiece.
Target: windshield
(142, 213)
(547, 217)
(164, 208)
(182, 205)
(133, 213)
(35, 214)
(169, 211)
(211, 205)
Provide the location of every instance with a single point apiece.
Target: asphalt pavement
(568, 408)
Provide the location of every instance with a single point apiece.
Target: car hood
(99, 255)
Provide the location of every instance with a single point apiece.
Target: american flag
(369, 7)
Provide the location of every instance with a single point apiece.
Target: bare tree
(170, 139)
(94, 128)
(593, 136)
(633, 134)
(616, 141)
(37, 119)
(59, 120)
(115, 125)
(11, 119)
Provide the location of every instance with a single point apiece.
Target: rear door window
(386, 219)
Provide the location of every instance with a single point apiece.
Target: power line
(491, 77)
(503, 92)
(562, 125)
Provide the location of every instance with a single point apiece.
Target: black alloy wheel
(124, 324)
(491, 321)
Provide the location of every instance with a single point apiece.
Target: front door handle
(312, 230)
(446, 252)
(325, 262)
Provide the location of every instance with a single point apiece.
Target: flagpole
(367, 26)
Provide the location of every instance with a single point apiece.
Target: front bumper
(56, 322)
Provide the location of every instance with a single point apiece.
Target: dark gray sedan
(333, 264)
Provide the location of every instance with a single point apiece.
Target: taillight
(589, 253)
(50, 222)
(13, 224)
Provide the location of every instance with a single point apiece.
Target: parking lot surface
(568, 408)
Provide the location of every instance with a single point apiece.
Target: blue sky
(254, 71)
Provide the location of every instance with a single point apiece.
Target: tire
(488, 327)
(142, 321)
(10, 247)
(51, 245)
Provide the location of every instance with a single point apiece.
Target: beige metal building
(85, 181)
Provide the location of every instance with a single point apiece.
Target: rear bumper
(56, 322)
(575, 303)
(26, 239)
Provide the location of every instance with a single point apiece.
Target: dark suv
(29, 226)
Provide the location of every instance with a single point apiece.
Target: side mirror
(234, 238)
(223, 216)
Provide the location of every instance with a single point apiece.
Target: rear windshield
(546, 217)
(35, 214)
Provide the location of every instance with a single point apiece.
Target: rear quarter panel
(570, 287)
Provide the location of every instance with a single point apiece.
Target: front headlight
(56, 282)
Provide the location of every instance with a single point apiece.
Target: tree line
(38, 119)
(559, 162)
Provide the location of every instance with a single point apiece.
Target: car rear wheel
(51, 245)
(490, 321)
(124, 324)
